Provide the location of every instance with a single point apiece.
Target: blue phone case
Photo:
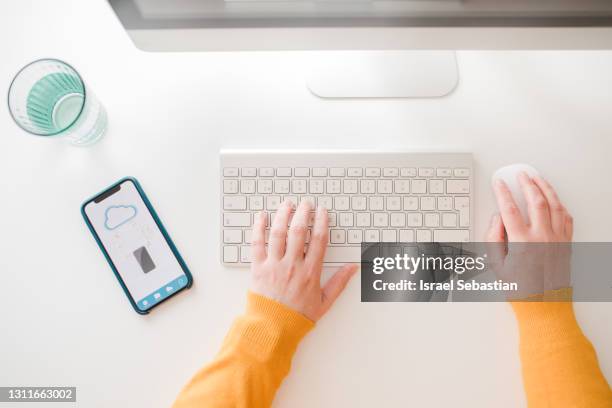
(161, 227)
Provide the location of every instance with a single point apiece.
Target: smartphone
(136, 245)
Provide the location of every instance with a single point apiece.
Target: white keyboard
(370, 197)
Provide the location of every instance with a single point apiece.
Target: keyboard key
(256, 203)
(230, 186)
(411, 203)
(291, 198)
(377, 203)
(449, 219)
(299, 186)
(372, 172)
(334, 186)
(281, 186)
(317, 186)
(341, 203)
(406, 236)
(380, 219)
(368, 186)
(266, 172)
(237, 219)
(310, 198)
(436, 186)
(432, 220)
(350, 186)
(354, 172)
(401, 186)
(354, 236)
(385, 186)
(264, 186)
(445, 203)
(462, 204)
(233, 236)
(345, 219)
(234, 203)
(273, 202)
(319, 172)
(301, 172)
(444, 172)
(336, 172)
(394, 203)
(248, 172)
(398, 219)
(337, 236)
(230, 172)
(414, 219)
(390, 172)
(457, 186)
(372, 236)
(332, 219)
(451, 235)
(325, 202)
(230, 254)
(428, 203)
(423, 236)
(245, 254)
(358, 203)
(389, 236)
(283, 172)
(247, 236)
(408, 172)
(426, 172)
(461, 172)
(363, 219)
(419, 186)
(247, 186)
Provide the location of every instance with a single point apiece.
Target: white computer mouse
(509, 175)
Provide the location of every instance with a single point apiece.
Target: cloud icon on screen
(117, 215)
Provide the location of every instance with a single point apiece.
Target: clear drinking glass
(49, 98)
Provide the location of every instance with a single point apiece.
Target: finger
(336, 284)
(318, 238)
(258, 238)
(496, 241)
(569, 227)
(496, 231)
(298, 231)
(558, 212)
(509, 211)
(537, 206)
(278, 231)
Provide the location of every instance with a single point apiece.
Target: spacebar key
(342, 254)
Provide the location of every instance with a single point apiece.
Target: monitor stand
(382, 74)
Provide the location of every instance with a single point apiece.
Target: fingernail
(500, 183)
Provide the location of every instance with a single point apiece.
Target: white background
(64, 318)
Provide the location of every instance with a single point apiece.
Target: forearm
(559, 364)
(254, 359)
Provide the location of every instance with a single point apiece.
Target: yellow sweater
(560, 367)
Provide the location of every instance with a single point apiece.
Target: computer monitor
(382, 48)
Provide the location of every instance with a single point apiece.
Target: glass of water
(49, 98)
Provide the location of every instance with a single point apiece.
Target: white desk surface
(64, 319)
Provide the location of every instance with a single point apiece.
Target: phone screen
(136, 245)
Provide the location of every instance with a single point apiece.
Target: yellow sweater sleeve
(559, 364)
(254, 359)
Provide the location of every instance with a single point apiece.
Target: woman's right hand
(524, 252)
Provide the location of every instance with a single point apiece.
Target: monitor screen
(163, 14)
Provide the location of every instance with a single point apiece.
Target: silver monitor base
(383, 74)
